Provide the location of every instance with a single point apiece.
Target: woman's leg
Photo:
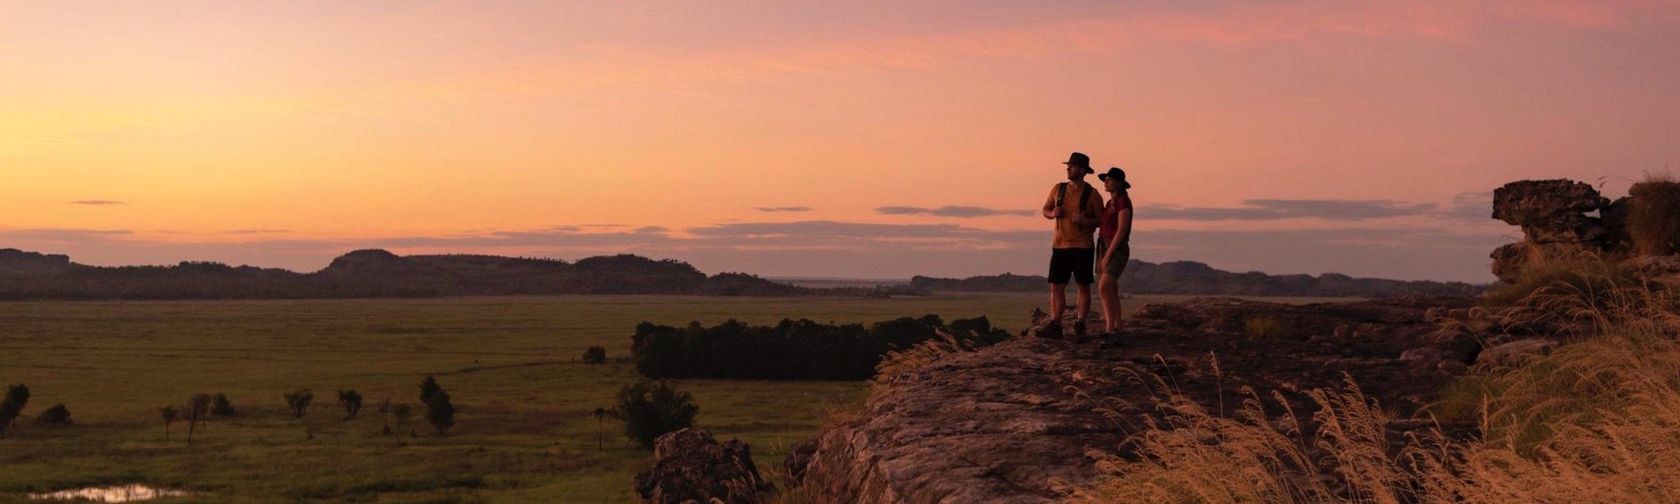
(1108, 287)
(1114, 303)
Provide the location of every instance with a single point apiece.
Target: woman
(1114, 233)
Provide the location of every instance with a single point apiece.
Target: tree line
(790, 350)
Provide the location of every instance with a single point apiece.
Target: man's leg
(1083, 275)
(1058, 301)
(1084, 311)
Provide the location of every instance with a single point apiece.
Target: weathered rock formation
(1554, 218)
(1017, 422)
(1558, 221)
(691, 466)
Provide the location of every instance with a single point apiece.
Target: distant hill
(378, 273)
(1194, 278)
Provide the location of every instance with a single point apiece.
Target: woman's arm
(1124, 233)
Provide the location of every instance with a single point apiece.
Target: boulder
(691, 466)
(1541, 203)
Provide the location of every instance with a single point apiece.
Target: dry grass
(923, 354)
(1596, 421)
(1265, 327)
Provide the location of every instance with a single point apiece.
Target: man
(1075, 207)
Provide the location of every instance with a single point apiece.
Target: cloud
(964, 212)
(1471, 206)
(1276, 209)
(840, 248)
(97, 202)
(63, 235)
(258, 231)
(784, 209)
(1230, 26)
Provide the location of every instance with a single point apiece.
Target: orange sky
(286, 133)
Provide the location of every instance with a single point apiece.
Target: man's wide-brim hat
(1114, 172)
(1081, 160)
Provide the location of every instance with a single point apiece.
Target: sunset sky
(868, 139)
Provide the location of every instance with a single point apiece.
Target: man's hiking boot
(1052, 329)
(1079, 329)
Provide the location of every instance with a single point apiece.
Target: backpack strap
(1085, 197)
(1061, 193)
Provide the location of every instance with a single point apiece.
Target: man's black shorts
(1075, 262)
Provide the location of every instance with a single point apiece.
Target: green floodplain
(524, 429)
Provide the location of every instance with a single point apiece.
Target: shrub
(1265, 327)
(351, 401)
(440, 411)
(650, 409)
(1653, 216)
(298, 401)
(56, 416)
(790, 350)
(595, 355)
(221, 407)
(17, 396)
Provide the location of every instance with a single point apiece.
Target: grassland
(524, 430)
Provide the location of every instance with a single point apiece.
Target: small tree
(428, 388)
(56, 416)
(198, 407)
(440, 412)
(400, 414)
(595, 355)
(298, 401)
(351, 401)
(169, 414)
(650, 409)
(16, 397)
(221, 407)
(601, 428)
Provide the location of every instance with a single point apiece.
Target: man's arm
(1051, 209)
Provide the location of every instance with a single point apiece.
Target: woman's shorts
(1117, 264)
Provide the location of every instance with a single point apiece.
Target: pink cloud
(1232, 27)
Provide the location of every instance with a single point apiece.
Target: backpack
(1084, 196)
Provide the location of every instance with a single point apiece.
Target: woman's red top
(1108, 223)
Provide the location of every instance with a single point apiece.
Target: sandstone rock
(1515, 352)
(1015, 422)
(691, 466)
(1542, 202)
(1664, 270)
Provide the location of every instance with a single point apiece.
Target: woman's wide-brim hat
(1116, 173)
(1080, 159)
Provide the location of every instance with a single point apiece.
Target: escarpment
(1020, 422)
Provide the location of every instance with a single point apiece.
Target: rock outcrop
(1019, 422)
(1554, 218)
(691, 466)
